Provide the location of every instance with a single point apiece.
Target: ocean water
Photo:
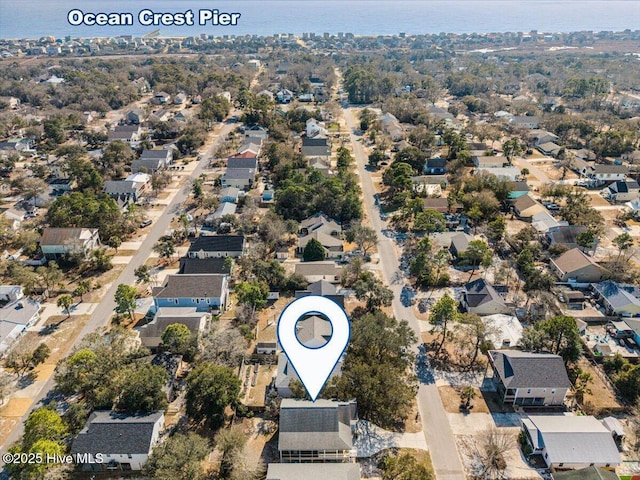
(36, 18)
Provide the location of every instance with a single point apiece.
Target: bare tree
(493, 446)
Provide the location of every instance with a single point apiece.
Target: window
(129, 455)
(175, 301)
(553, 391)
(560, 464)
(528, 390)
(197, 300)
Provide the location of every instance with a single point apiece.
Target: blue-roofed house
(618, 299)
(206, 292)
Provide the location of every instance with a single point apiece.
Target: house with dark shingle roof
(204, 265)
(123, 441)
(125, 133)
(317, 431)
(324, 289)
(243, 160)
(481, 298)
(564, 235)
(151, 161)
(622, 191)
(217, 246)
(533, 379)
(205, 292)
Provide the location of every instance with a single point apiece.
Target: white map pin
(313, 365)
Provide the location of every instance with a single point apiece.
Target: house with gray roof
(568, 442)
(314, 471)
(481, 298)
(204, 265)
(604, 173)
(319, 431)
(322, 288)
(459, 244)
(57, 243)
(197, 323)
(151, 161)
(566, 235)
(125, 133)
(622, 191)
(241, 178)
(576, 266)
(529, 379)
(229, 194)
(205, 292)
(322, 270)
(117, 441)
(217, 246)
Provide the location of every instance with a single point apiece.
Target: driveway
(371, 439)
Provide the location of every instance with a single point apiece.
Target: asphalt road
(435, 424)
(104, 310)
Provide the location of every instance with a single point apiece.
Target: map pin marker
(313, 365)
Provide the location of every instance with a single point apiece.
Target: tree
(32, 188)
(444, 312)
(364, 237)
(177, 338)
(313, 251)
(22, 360)
(83, 288)
(231, 442)
(126, 300)
(403, 466)
(164, 248)
(378, 360)
(376, 157)
(100, 261)
(223, 345)
(477, 254)
(143, 274)
(114, 242)
(429, 221)
(411, 156)
(196, 188)
(179, 458)
(586, 240)
(252, 294)
(370, 289)
(466, 397)
(65, 301)
(141, 389)
(512, 148)
(210, 390)
(494, 444)
(496, 230)
(623, 242)
(581, 386)
(557, 335)
(43, 424)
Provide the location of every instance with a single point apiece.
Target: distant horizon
(360, 17)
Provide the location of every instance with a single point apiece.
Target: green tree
(313, 251)
(179, 458)
(376, 157)
(404, 466)
(364, 237)
(587, 239)
(65, 301)
(512, 148)
(412, 156)
(114, 242)
(164, 248)
(623, 242)
(141, 389)
(126, 299)
(43, 424)
(557, 335)
(477, 254)
(496, 230)
(466, 396)
(84, 286)
(581, 386)
(210, 390)
(370, 289)
(429, 221)
(252, 294)
(443, 313)
(143, 274)
(176, 338)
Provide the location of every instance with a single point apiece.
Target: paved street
(437, 431)
(105, 308)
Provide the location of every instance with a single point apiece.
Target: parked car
(146, 223)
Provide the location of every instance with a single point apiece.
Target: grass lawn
(601, 396)
(451, 400)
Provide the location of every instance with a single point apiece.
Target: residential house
(117, 441)
(128, 190)
(160, 115)
(196, 321)
(57, 243)
(229, 194)
(622, 191)
(316, 147)
(459, 244)
(435, 166)
(141, 84)
(257, 131)
(243, 160)
(627, 328)
(528, 122)
(314, 128)
(17, 314)
(284, 96)
(517, 189)
(568, 442)
(217, 246)
(205, 292)
(333, 245)
(225, 208)
(183, 116)
(249, 148)
(529, 379)
(14, 217)
(604, 173)
(526, 207)
(392, 127)
(17, 144)
(314, 471)
(282, 253)
(438, 204)
(151, 161)
(323, 289)
(581, 166)
(317, 431)
(125, 133)
(566, 235)
(241, 178)
(538, 137)
(584, 154)
(180, 98)
(322, 164)
(482, 298)
(135, 116)
(313, 332)
(576, 266)
(320, 222)
(218, 265)
(618, 299)
(432, 185)
(550, 148)
(315, 271)
(588, 473)
(489, 161)
(161, 98)
(510, 174)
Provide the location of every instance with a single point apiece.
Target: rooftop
(530, 370)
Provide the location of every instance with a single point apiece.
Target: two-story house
(533, 379)
(151, 161)
(217, 246)
(117, 441)
(604, 173)
(205, 292)
(57, 243)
